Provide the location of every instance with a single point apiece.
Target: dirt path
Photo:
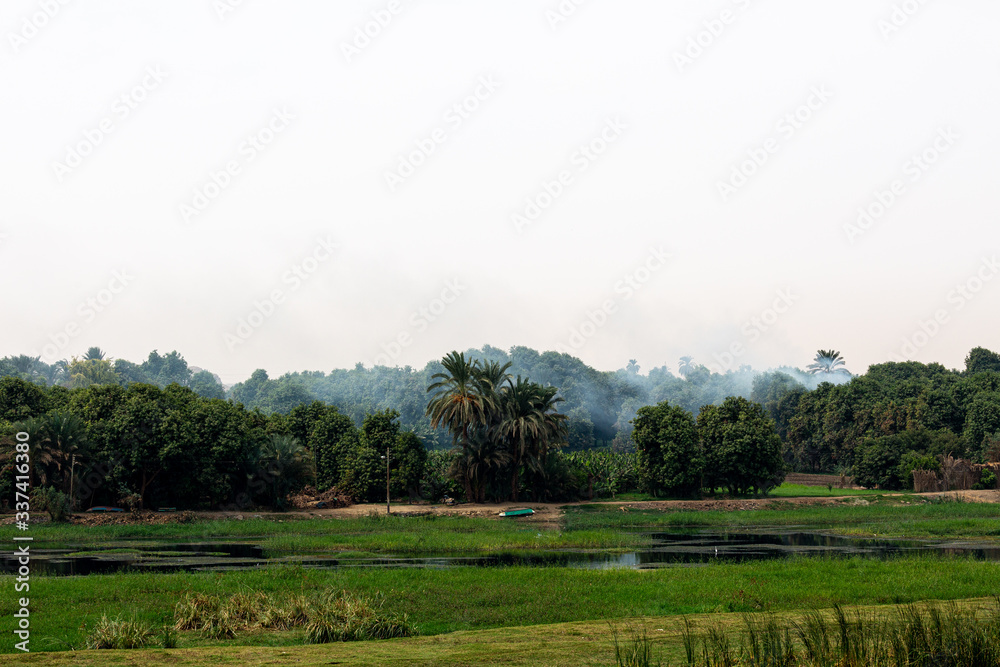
(550, 513)
(546, 514)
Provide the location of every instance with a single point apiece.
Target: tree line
(897, 417)
(472, 426)
(144, 446)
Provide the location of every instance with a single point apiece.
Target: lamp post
(386, 457)
(72, 467)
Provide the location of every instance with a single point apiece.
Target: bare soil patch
(546, 514)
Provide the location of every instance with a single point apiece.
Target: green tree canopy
(742, 450)
(670, 460)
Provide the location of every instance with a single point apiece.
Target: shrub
(436, 483)
(168, 638)
(913, 461)
(131, 501)
(53, 501)
(987, 480)
(192, 612)
(340, 616)
(119, 634)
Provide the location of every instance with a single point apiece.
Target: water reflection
(666, 549)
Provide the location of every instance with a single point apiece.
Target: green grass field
(444, 601)
(510, 615)
(397, 533)
(878, 516)
(587, 643)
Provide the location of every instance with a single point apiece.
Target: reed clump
(635, 650)
(120, 633)
(928, 635)
(338, 616)
(326, 617)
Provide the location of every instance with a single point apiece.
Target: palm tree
(632, 367)
(61, 370)
(53, 440)
(529, 427)
(459, 404)
(685, 366)
(555, 422)
(828, 362)
(286, 465)
(39, 455)
(51, 373)
(484, 455)
(521, 427)
(94, 354)
(64, 435)
(84, 372)
(25, 364)
(494, 373)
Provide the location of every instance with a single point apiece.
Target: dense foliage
(161, 433)
(741, 449)
(671, 460)
(503, 429)
(145, 446)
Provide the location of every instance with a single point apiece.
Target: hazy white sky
(262, 184)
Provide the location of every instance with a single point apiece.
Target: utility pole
(72, 466)
(386, 457)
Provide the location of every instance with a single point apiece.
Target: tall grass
(341, 617)
(328, 616)
(634, 651)
(119, 633)
(928, 635)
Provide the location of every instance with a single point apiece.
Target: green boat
(521, 512)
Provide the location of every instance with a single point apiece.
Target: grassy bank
(398, 534)
(595, 526)
(787, 490)
(558, 645)
(884, 517)
(440, 601)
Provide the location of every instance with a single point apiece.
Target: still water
(666, 550)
